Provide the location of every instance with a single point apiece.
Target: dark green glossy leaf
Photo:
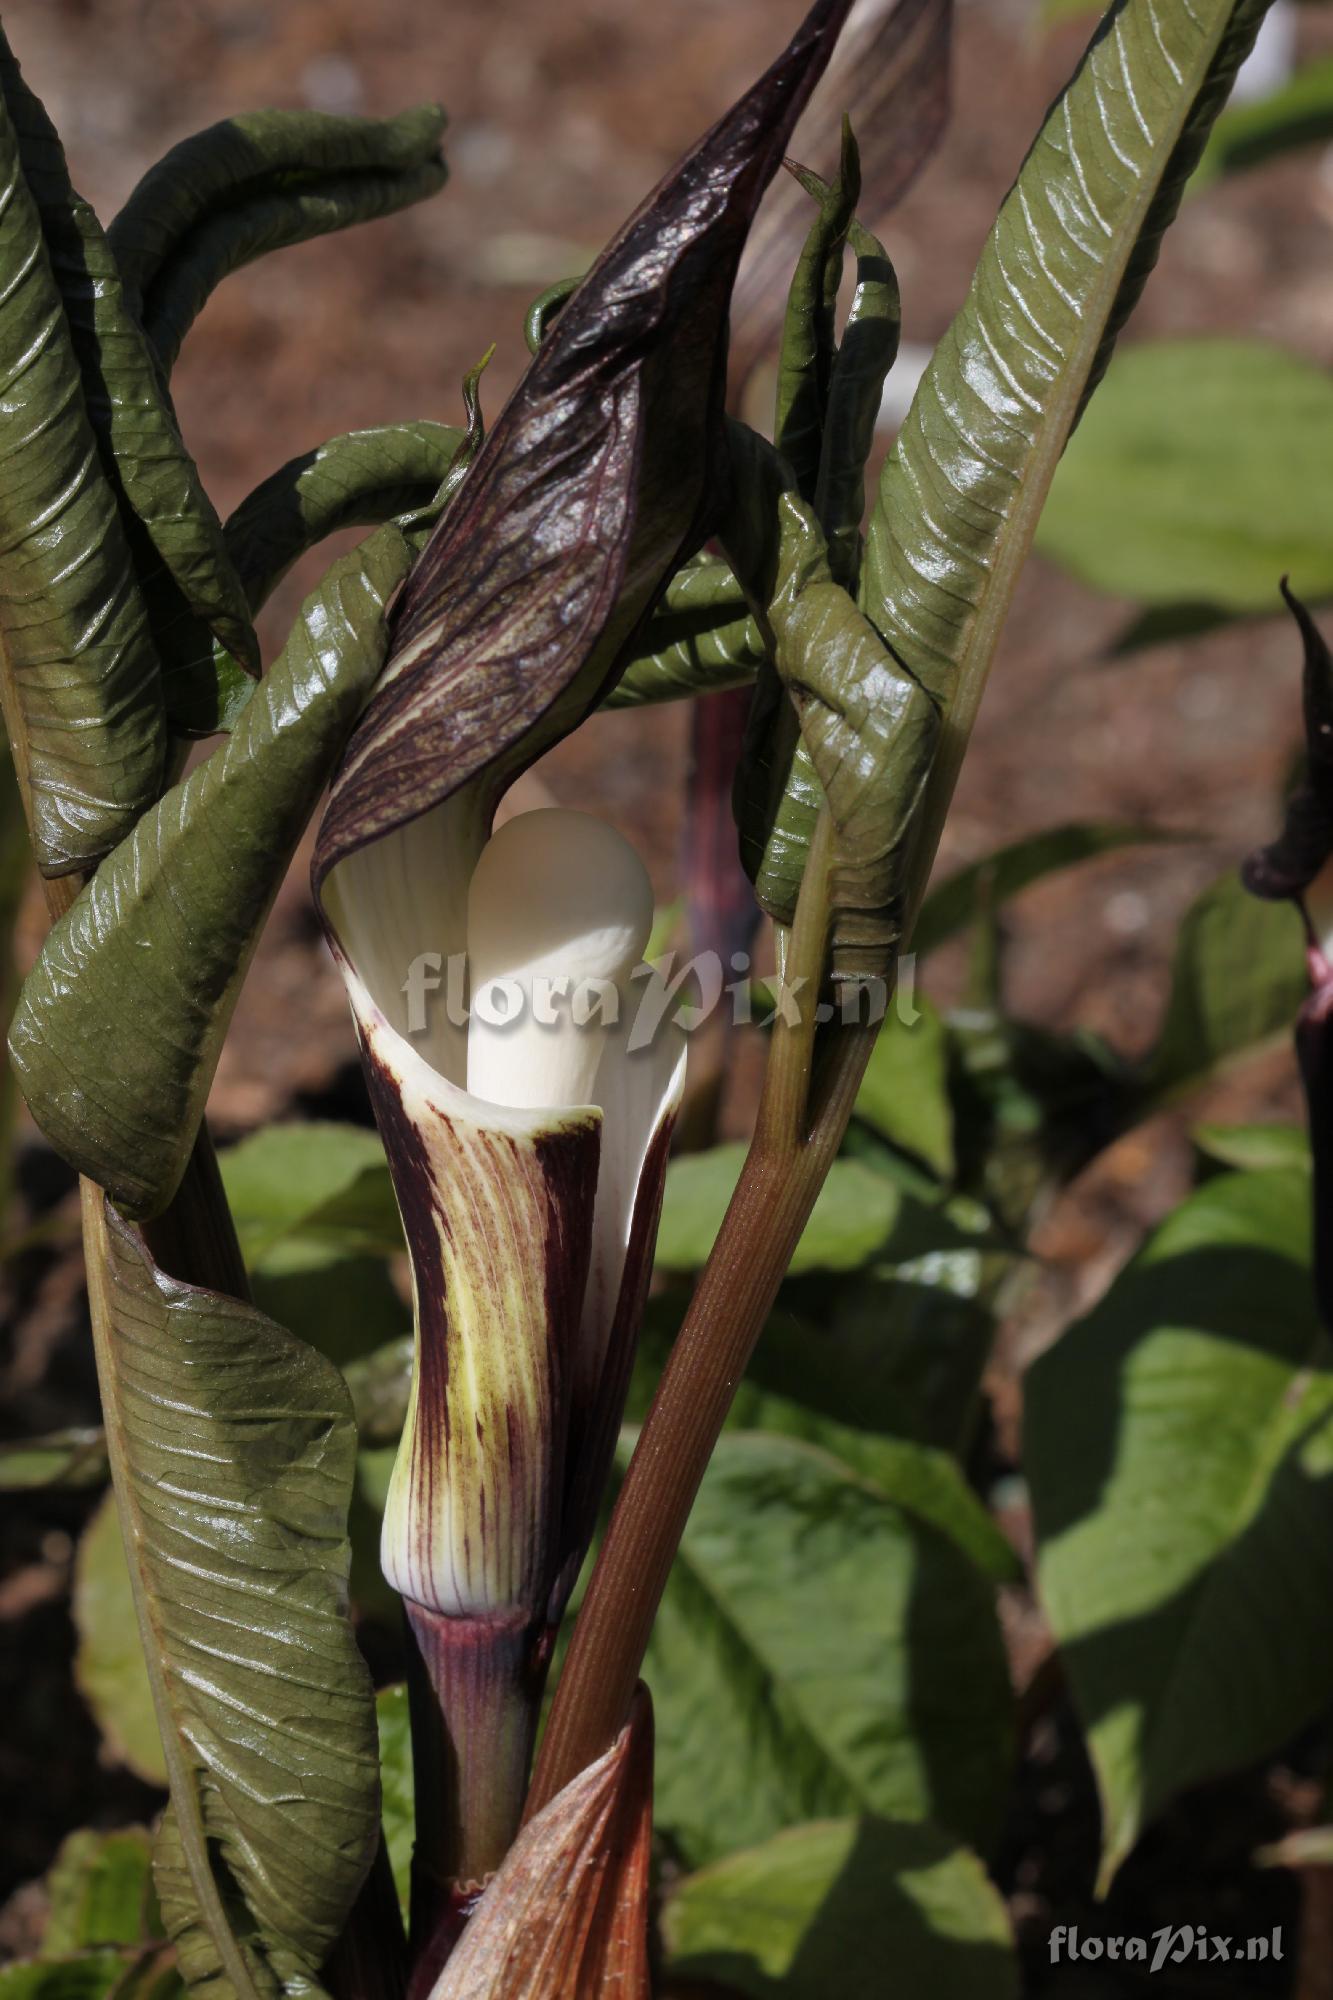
(115, 1063)
(1238, 981)
(869, 731)
(233, 1449)
(1298, 113)
(190, 588)
(257, 183)
(982, 886)
(866, 353)
(1062, 269)
(701, 639)
(805, 360)
(1201, 474)
(1194, 1618)
(360, 480)
(513, 620)
(831, 392)
(776, 1659)
(82, 687)
(828, 1908)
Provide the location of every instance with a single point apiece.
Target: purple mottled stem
(475, 1688)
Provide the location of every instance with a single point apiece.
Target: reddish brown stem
(783, 1174)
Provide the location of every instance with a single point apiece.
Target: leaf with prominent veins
(121, 1021)
(191, 590)
(1060, 273)
(82, 691)
(701, 639)
(257, 183)
(392, 472)
(233, 1449)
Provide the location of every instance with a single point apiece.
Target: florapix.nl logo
(1173, 1944)
(687, 992)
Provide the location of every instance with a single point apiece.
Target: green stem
(802, 1117)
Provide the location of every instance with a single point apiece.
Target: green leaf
(233, 1450)
(101, 1892)
(397, 1785)
(982, 886)
(852, 1218)
(362, 479)
(1203, 472)
(380, 1383)
(326, 1183)
(1298, 113)
(257, 183)
(81, 681)
(1237, 981)
(1062, 269)
(866, 353)
(513, 621)
(94, 1975)
(109, 1664)
(898, 1347)
(700, 640)
(805, 361)
(904, 1094)
(1179, 1446)
(1254, 1148)
(826, 1648)
(190, 589)
(115, 1063)
(802, 1384)
(69, 1461)
(852, 1907)
(867, 734)
(1031, 1108)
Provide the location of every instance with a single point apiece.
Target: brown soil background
(561, 117)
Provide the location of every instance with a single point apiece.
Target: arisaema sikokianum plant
(613, 540)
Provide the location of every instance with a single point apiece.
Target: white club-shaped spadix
(559, 913)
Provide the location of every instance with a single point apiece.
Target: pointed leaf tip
(512, 623)
(1289, 864)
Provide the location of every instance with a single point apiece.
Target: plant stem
(792, 1151)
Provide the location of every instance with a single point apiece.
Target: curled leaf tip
(514, 619)
(1291, 864)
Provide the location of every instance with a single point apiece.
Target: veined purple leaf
(594, 484)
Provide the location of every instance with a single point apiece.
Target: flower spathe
(530, 1229)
